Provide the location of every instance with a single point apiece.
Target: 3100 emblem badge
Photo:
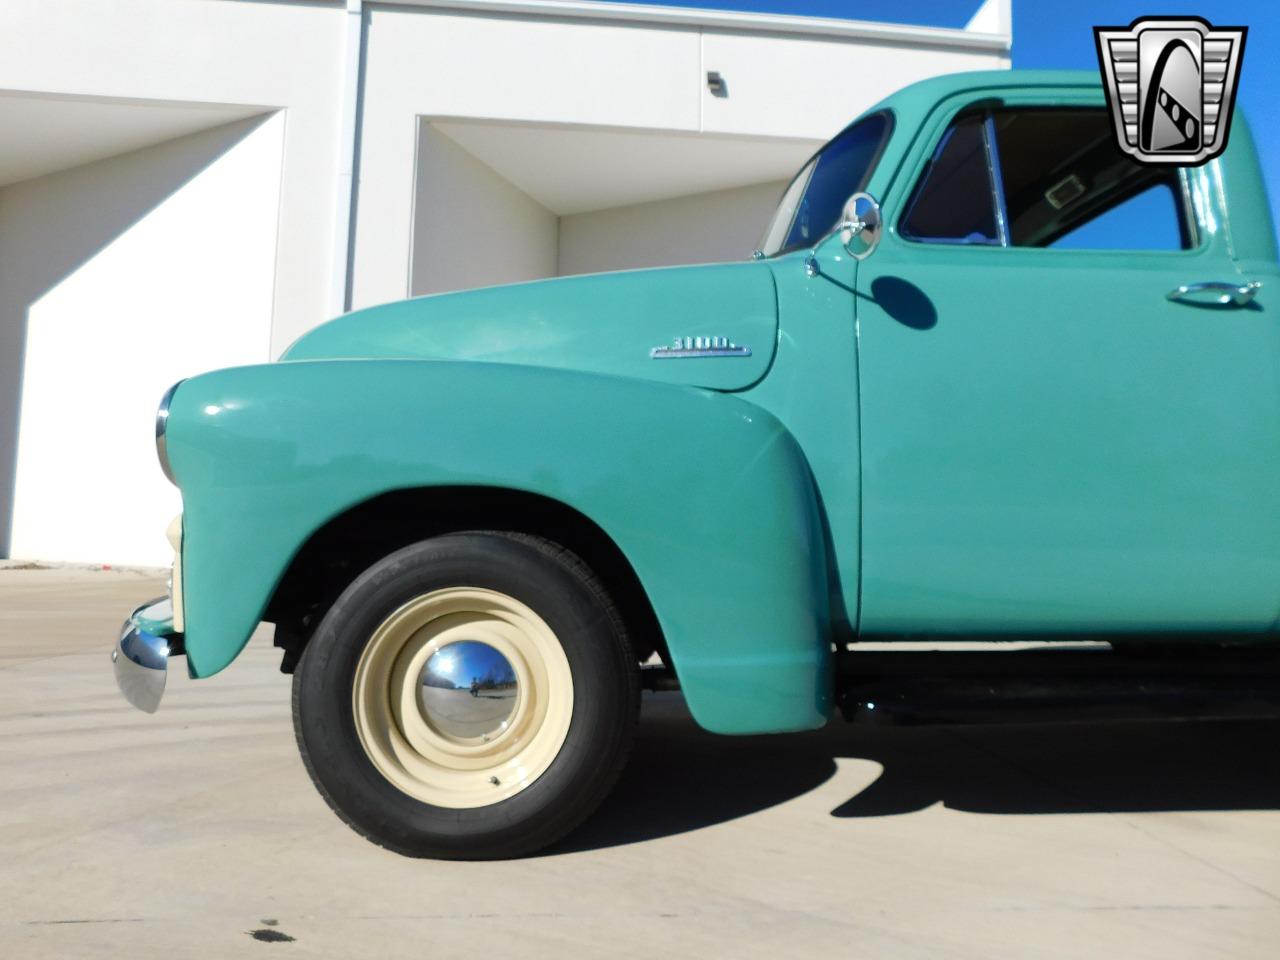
(684, 347)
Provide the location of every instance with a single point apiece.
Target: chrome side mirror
(861, 225)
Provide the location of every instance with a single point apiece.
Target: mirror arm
(854, 227)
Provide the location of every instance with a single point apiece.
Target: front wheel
(472, 696)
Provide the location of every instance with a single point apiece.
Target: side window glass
(1146, 221)
(1044, 177)
(1066, 185)
(953, 202)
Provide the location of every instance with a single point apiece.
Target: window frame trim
(995, 177)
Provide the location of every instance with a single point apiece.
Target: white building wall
(132, 273)
(267, 54)
(439, 64)
(704, 228)
(472, 227)
(813, 86)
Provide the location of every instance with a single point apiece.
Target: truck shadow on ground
(681, 778)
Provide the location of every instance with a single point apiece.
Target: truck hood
(602, 323)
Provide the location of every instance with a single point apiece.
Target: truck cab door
(1051, 443)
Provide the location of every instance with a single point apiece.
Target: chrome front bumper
(141, 655)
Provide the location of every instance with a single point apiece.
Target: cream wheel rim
(473, 745)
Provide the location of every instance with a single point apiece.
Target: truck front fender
(707, 495)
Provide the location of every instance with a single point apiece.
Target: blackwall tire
(428, 780)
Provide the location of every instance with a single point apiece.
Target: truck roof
(924, 93)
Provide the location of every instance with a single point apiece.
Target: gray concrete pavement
(181, 834)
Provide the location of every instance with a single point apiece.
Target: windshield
(811, 206)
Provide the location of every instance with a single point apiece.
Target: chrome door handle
(1216, 292)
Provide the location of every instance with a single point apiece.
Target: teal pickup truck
(986, 378)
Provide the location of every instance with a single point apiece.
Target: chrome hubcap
(415, 714)
(468, 691)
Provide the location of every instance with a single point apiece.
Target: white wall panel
(813, 86)
(508, 68)
(133, 273)
(286, 55)
(472, 228)
(704, 228)
(535, 69)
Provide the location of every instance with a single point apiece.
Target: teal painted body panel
(717, 516)
(950, 440)
(1242, 201)
(1105, 462)
(813, 390)
(1049, 445)
(603, 323)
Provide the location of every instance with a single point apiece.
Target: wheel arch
(348, 543)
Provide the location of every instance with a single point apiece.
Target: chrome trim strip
(996, 177)
(162, 428)
(666, 353)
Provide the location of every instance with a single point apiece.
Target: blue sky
(1058, 33)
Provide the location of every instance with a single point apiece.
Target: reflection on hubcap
(415, 714)
(468, 691)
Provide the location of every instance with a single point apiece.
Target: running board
(938, 686)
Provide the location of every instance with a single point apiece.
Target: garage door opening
(137, 247)
(501, 202)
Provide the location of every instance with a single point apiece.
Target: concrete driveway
(196, 833)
